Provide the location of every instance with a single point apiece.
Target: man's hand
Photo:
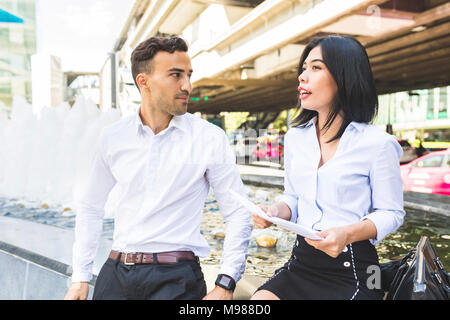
(261, 223)
(77, 291)
(219, 293)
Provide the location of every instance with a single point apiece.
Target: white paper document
(298, 229)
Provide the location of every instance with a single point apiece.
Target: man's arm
(223, 175)
(89, 222)
(279, 209)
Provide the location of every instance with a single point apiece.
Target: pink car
(267, 151)
(428, 174)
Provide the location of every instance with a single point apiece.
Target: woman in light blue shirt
(342, 178)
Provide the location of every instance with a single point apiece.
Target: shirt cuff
(292, 204)
(385, 223)
(235, 274)
(81, 277)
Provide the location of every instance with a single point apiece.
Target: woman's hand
(334, 242)
(272, 211)
(335, 239)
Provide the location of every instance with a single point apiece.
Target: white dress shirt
(361, 181)
(163, 181)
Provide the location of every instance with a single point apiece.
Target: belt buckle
(125, 260)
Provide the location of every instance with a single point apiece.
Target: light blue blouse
(361, 181)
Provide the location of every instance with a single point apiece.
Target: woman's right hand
(261, 223)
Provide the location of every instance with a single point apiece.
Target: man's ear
(142, 81)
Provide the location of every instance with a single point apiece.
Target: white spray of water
(47, 158)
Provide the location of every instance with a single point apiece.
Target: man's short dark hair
(145, 51)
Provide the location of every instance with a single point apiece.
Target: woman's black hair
(356, 96)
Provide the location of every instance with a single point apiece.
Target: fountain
(46, 157)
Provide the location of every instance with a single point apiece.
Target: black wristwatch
(225, 282)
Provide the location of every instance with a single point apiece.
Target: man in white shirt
(163, 161)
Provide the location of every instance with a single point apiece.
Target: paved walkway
(264, 176)
(263, 168)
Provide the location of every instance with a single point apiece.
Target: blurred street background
(71, 60)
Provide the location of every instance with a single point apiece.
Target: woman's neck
(326, 134)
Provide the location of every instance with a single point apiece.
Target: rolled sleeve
(387, 191)
(291, 202)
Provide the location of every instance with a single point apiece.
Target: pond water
(264, 261)
(261, 261)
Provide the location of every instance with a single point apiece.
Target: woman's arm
(387, 190)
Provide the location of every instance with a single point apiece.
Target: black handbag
(419, 275)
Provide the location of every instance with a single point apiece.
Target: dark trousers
(117, 281)
(311, 274)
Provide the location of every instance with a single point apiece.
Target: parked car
(428, 174)
(409, 152)
(268, 149)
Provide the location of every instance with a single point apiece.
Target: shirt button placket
(154, 163)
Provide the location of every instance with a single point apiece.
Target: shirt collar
(357, 125)
(138, 122)
(180, 122)
(309, 123)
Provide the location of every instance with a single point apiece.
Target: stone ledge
(35, 263)
(37, 259)
(263, 181)
(25, 275)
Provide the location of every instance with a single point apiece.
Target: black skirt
(311, 274)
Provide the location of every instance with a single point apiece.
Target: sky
(80, 32)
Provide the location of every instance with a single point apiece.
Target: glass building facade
(17, 45)
(418, 115)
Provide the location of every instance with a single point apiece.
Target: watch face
(225, 281)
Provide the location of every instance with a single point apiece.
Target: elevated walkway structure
(245, 53)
